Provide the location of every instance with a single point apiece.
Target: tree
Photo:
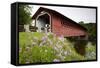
(24, 14)
(81, 22)
(91, 28)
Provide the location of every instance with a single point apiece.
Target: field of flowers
(35, 47)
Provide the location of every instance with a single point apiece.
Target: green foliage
(91, 29)
(36, 47)
(45, 54)
(24, 14)
(81, 22)
(90, 51)
(36, 54)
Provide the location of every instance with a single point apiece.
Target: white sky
(77, 14)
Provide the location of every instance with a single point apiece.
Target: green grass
(25, 38)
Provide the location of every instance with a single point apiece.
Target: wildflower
(61, 38)
(27, 48)
(55, 48)
(62, 57)
(56, 60)
(27, 62)
(44, 38)
(59, 55)
(65, 52)
(34, 43)
(59, 46)
(42, 43)
(50, 42)
(93, 53)
(48, 33)
(35, 38)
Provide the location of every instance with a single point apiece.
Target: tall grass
(40, 47)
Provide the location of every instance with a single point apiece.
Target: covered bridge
(58, 23)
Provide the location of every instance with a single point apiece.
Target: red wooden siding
(56, 25)
(65, 28)
(70, 29)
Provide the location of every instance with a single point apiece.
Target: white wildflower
(27, 48)
(34, 43)
(35, 38)
(27, 62)
(65, 53)
(62, 57)
(56, 60)
(51, 43)
(55, 48)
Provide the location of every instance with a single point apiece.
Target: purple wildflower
(44, 38)
(61, 38)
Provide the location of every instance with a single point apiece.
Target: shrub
(90, 51)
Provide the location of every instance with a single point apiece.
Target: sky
(77, 14)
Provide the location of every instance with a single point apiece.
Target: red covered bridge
(58, 23)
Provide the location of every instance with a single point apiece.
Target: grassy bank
(40, 47)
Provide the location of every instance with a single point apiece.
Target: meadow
(37, 47)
